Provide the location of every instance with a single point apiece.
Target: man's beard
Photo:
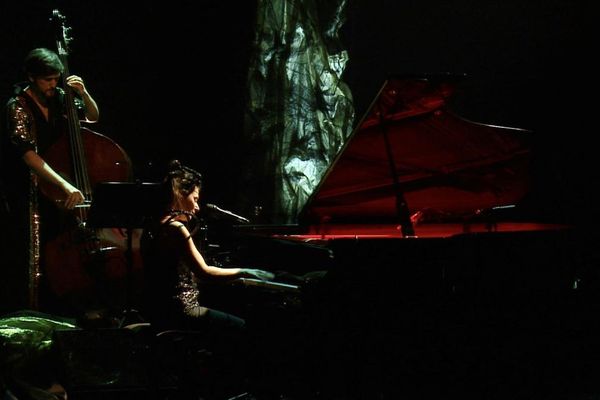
(44, 97)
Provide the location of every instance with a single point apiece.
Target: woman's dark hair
(179, 179)
(182, 179)
(42, 62)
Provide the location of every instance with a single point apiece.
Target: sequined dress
(172, 292)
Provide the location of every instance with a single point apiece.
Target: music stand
(125, 205)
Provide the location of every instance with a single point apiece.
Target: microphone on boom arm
(226, 212)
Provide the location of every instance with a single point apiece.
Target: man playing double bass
(35, 120)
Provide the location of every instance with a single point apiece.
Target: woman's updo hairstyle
(183, 179)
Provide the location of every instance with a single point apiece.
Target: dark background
(170, 78)
(170, 82)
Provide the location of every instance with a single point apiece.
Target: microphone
(215, 208)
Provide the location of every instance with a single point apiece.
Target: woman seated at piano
(174, 268)
(177, 277)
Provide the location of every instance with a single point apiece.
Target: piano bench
(179, 362)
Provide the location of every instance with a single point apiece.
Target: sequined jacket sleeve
(21, 129)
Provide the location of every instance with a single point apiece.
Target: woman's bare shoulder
(178, 228)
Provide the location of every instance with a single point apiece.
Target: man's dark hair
(42, 62)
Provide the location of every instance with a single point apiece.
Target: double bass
(79, 263)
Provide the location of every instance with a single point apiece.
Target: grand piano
(441, 278)
(413, 171)
(413, 162)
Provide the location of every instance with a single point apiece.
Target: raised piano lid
(451, 171)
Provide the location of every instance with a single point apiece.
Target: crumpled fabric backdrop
(300, 111)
